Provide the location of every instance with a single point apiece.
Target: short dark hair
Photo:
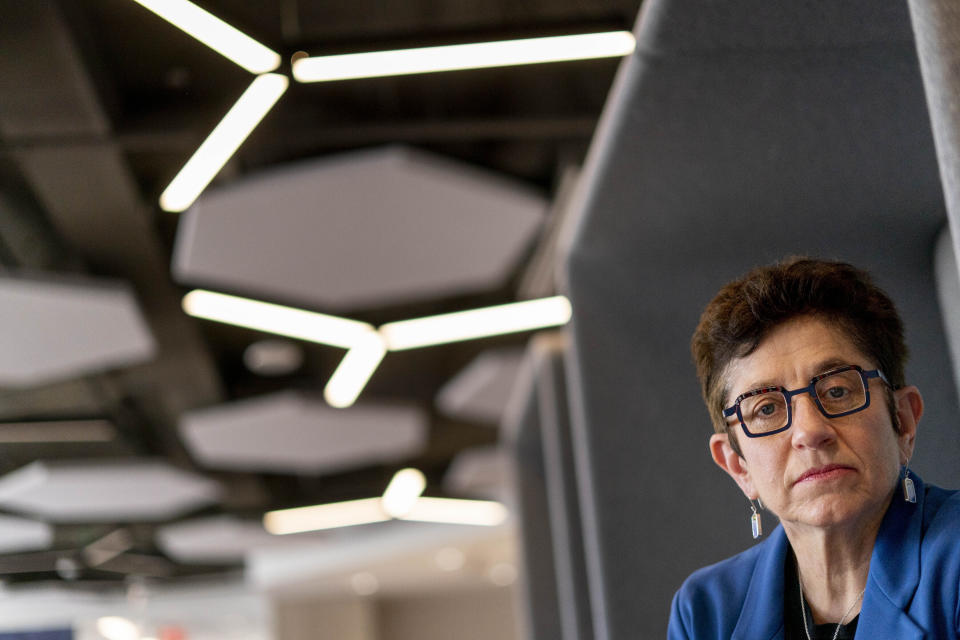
(745, 311)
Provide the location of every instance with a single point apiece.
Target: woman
(802, 368)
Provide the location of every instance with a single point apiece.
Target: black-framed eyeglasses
(837, 393)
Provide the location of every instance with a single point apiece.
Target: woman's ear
(909, 406)
(733, 463)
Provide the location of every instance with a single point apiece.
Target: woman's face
(821, 472)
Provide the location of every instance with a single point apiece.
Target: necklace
(803, 610)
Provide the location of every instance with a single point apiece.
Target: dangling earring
(760, 503)
(756, 527)
(909, 491)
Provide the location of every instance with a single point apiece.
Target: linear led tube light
(476, 323)
(216, 34)
(353, 372)
(324, 516)
(275, 318)
(478, 55)
(223, 141)
(449, 511)
(403, 491)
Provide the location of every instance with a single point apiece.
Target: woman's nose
(810, 428)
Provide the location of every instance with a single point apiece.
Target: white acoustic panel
(480, 472)
(480, 391)
(294, 433)
(105, 491)
(20, 534)
(51, 330)
(216, 539)
(359, 230)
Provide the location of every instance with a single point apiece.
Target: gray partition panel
(540, 611)
(739, 132)
(547, 351)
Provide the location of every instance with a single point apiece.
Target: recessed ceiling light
(476, 323)
(450, 559)
(364, 583)
(117, 628)
(215, 33)
(502, 53)
(223, 141)
(273, 357)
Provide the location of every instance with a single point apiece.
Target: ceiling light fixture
(476, 323)
(478, 55)
(216, 34)
(223, 141)
(324, 516)
(117, 628)
(485, 513)
(275, 318)
(403, 491)
(355, 370)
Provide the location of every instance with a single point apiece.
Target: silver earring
(756, 527)
(760, 503)
(909, 491)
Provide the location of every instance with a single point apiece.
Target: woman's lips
(823, 473)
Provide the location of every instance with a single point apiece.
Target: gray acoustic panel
(291, 432)
(739, 132)
(56, 329)
(105, 491)
(428, 227)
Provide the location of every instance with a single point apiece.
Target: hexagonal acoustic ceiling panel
(481, 390)
(428, 227)
(21, 534)
(105, 491)
(215, 539)
(56, 329)
(291, 432)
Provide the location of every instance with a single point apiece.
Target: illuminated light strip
(216, 34)
(275, 318)
(325, 516)
(486, 513)
(403, 491)
(479, 55)
(223, 141)
(476, 323)
(355, 370)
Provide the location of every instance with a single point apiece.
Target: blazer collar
(762, 615)
(894, 574)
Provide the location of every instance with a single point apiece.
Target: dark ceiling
(101, 103)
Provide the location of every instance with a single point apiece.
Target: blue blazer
(913, 589)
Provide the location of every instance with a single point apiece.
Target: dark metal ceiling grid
(101, 103)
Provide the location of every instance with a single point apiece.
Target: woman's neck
(833, 564)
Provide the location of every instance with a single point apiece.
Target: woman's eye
(835, 393)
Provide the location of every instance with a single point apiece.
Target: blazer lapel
(894, 572)
(762, 615)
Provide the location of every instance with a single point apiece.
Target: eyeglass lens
(838, 393)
